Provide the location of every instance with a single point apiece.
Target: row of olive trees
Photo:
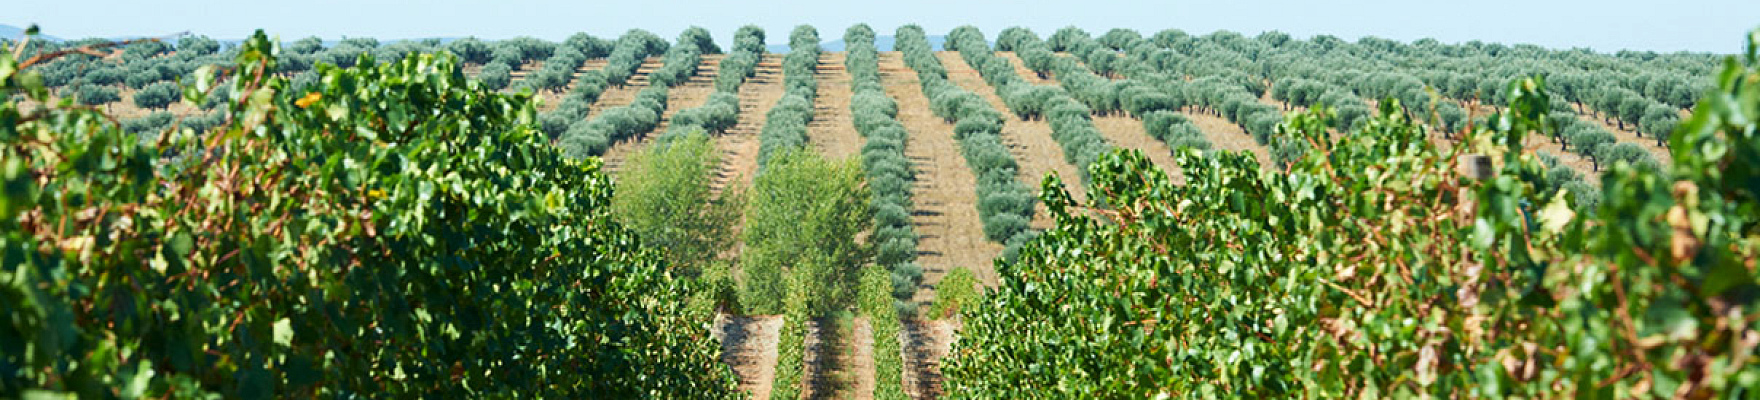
(1637, 97)
(1175, 129)
(1005, 205)
(1465, 71)
(591, 137)
(1350, 109)
(1071, 123)
(624, 58)
(785, 126)
(884, 289)
(1219, 88)
(1594, 142)
(136, 65)
(721, 111)
(875, 116)
(1089, 80)
(1377, 68)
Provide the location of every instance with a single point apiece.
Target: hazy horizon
(1605, 26)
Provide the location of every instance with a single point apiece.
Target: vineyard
(1066, 215)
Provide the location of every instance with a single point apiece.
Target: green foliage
(495, 76)
(956, 291)
(471, 50)
(1172, 127)
(306, 45)
(801, 219)
(1630, 153)
(749, 38)
(682, 60)
(717, 114)
(791, 352)
(663, 196)
(1325, 282)
(105, 75)
(96, 95)
(403, 232)
(158, 95)
(150, 124)
(1589, 140)
(140, 76)
(874, 299)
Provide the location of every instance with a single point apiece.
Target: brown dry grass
(748, 344)
(833, 129)
(950, 234)
(924, 344)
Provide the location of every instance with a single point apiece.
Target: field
(1260, 216)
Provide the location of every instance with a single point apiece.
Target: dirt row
(839, 362)
(836, 366)
(925, 343)
(739, 146)
(833, 130)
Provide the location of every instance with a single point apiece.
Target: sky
(1606, 25)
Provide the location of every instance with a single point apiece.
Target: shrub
(958, 289)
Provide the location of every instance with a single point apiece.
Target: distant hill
(13, 32)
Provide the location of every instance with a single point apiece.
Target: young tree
(663, 194)
(801, 219)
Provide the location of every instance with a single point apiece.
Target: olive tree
(308, 45)
(495, 76)
(158, 95)
(197, 45)
(471, 50)
(94, 95)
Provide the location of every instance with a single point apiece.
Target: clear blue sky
(1606, 25)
